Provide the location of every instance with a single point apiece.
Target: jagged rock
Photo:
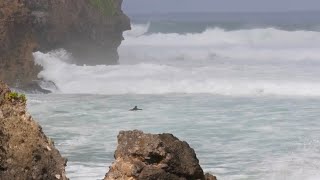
(25, 151)
(210, 177)
(75, 25)
(154, 156)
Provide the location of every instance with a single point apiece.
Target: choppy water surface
(242, 89)
(263, 61)
(234, 137)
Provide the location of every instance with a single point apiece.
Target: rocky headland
(89, 29)
(25, 151)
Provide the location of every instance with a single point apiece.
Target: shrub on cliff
(14, 96)
(25, 151)
(107, 7)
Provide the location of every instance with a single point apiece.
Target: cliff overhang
(81, 27)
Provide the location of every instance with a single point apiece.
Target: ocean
(243, 89)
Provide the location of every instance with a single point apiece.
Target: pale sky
(148, 6)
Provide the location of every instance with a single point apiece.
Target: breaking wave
(242, 62)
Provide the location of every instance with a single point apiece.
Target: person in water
(135, 109)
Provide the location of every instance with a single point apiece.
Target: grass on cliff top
(106, 7)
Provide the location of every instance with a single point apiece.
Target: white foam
(256, 44)
(300, 164)
(78, 171)
(137, 30)
(243, 62)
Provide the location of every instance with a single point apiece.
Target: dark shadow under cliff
(92, 36)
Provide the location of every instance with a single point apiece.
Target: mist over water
(240, 62)
(198, 22)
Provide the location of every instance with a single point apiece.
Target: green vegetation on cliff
(13, 96)
(25, 151)
(107, 7)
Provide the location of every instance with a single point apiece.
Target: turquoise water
(257, 137)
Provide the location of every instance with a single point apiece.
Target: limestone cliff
(25, 151)
(90, 34)
(17, 42)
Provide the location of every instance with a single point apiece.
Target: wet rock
(34, 87)
(154, 156)
(25, 151)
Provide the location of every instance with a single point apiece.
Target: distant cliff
(90, 29)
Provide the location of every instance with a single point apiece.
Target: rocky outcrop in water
(154, 156)
(25, 151)
(89, 32)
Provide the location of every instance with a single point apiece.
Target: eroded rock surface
(17, 42)
(75, 25)
(154, 157)
(26, 153)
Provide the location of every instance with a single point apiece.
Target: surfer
(135, 109)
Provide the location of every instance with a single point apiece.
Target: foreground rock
(25, 151)
(148, 156)
(91, 34)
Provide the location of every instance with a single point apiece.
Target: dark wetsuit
(135, 109)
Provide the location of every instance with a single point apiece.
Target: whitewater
(246, 99)
(242, 62)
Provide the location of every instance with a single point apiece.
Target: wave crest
(243, 62)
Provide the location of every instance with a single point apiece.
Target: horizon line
(207, 12)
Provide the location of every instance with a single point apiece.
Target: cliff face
(17, 43)
(90, 34)
(81, 28)
(25, 151)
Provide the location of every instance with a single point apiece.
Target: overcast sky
(147, 6)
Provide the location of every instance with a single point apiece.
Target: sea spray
(238, 63)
